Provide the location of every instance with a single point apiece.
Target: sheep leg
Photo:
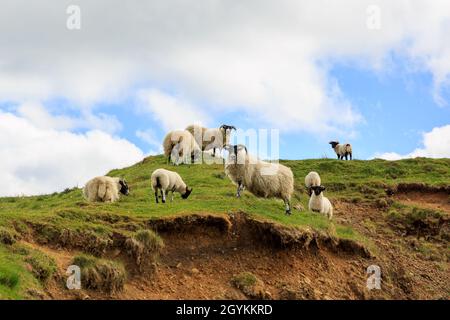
(350, 155)
(239, 189)
(339, 157)
(156, 195)
(163, 196)
(346, 155)
(288, 207)
(214, 152)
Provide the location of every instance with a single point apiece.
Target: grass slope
(213, 194)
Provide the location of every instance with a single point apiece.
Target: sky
(88, 86)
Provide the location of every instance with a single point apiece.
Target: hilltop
(212, 245)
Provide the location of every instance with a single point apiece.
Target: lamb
(312, 179)
(319, 203)
(261, 178)
(182, 145)
(342, 150)
(105, 189)
(166, 181)
(211, 138)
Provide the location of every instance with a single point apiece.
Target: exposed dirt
(202, 253)
(430, 200)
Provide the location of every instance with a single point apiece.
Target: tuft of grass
(100, 274)
(144, 246)
(43, 266)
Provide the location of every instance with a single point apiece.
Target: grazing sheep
(312, 179)
(261, 178)
(166, 181)
(319, 203)
(105, 189)
(181, 145)
(342, 150)
(211, 138)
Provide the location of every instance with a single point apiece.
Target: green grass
(66, 216)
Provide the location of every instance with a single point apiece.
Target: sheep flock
(247, 172)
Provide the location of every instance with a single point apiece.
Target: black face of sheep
(187, 193)
(334, 143)
(318, 189)
(124, 187)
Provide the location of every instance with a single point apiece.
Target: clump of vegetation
(145, 247)
(417, 221)
(250, 285)
(8, 236)
(100, 274)
(8, 277)
(43, 266)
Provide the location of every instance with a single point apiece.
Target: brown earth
(203, 253)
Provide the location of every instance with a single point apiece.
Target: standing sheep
(342, 150)
(181, 145)
(312, 179)
(261, 178)
(319, 203)
(211, 138)
(166, 181)
(105, 189)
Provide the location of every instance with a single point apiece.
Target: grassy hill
(68, 220)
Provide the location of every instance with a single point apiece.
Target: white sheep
(211, 138)
(319, 203)
(261, 178)
(342, 150)
(165, 181)
(312, 179)
(105, 189)
(181, 146)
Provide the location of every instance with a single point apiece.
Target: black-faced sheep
(180, 147)
(105, 189)
(319, 203)
(312, 179)
(261, 178)
(165, 181)
(342, 150)
(211, 138)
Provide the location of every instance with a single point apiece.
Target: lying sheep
(211, 138)
(312, 179)
(342, 150)
(105, 189)
(319, 203)
(166, 181)
(261, 178)
(181, 145)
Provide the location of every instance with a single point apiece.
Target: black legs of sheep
(288, 207)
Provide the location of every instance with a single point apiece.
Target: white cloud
(41, 117)
(268, 59)
(148, 136)
(36, 160)
(170, 112)
(436, 144)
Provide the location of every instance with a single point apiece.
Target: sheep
(180, 143)
(261, 178)
(211, 138)
(342, 150)
(166, 181)
(105, 189)
(319, 203)
(312, 179)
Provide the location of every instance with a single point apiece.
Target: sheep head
(317, 189)
(186, 194)
(333, 143)
(234, 151)
(124, 189)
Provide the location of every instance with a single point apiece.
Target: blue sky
(77, 102)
